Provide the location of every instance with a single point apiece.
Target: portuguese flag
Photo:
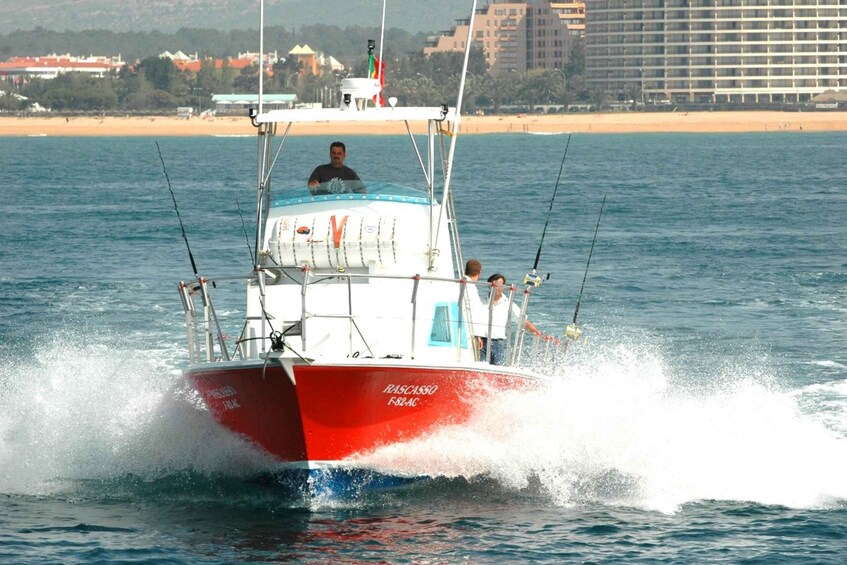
(376, 69)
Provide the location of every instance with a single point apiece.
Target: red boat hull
(336, 411)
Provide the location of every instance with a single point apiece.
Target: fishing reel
(533, 279)
(572, 332)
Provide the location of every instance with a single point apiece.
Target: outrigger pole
(451, 153)
(261, 52)
(572, 331)
(379, 63)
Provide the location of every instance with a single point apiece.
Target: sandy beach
(618, 122)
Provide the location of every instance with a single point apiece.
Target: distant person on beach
(499, 318)
(473, 269)
(335, 176)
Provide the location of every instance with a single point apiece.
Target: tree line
(155, 85)
(343, 44)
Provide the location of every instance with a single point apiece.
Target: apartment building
(717, 51)
(518, 36)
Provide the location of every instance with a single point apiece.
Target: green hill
(169, 16)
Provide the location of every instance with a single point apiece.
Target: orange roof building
(313, 62)
(192, 63)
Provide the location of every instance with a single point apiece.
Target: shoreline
(617, 122)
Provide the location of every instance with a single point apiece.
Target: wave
(93, 411)
(617, 424)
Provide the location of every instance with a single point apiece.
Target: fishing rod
(572, 331)
(244, 229)
(201, 281)
(532, 278)
(176, 208)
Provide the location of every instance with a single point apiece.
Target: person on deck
(499, 318)
(335, 176)
(479, 314)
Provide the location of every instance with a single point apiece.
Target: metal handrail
(213, 334)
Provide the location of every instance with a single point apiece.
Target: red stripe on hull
(337, 411)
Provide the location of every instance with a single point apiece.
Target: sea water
(702, 417)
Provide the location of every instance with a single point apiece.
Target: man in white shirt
(479, 312)
(499, 317)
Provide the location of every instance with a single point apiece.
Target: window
(445, 326)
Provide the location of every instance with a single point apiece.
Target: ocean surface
(701, 419)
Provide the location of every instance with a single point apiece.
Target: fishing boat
(358, 329)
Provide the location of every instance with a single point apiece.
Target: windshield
(349, 190)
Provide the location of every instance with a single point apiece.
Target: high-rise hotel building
(518, 36)
(717, 50)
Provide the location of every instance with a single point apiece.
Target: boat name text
(422, 390)
(222, 392)
(413, 392)
(410, 401)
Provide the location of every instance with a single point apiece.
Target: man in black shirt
(335, 176)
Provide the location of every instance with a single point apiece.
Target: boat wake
(616, 424)
(617, 427)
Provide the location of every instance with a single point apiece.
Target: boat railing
(208, 342)
(209, 331)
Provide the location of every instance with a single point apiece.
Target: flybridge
(356, 97)
(400, 114)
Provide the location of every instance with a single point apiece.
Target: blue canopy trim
(376, 192)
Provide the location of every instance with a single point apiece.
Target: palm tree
(598, 97)
(547, 85)
(504, 87)
(539, 86)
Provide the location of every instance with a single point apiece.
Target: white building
(240, 103)
(717, 50)
(51, 66)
